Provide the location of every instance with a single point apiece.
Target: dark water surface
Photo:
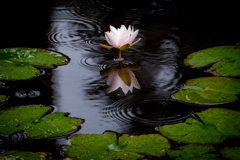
(169, 30)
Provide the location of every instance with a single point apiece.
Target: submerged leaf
(209, 90)
(194, 151)
(226, 59)
(15, 63)
(20, 155)
(218, 125)
(105, 146)
(30, 118)
(231, 153)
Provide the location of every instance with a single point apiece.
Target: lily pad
(226, 59)
(1, 84)
(231, 153)
(219, 124)
(2, 97)
(209, 90)
(20, 155)
(32, 118)
(194, 151)
(16, 63)
(108, 146)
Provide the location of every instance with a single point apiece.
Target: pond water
(169, 30)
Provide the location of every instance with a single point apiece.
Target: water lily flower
(122, 78)
(121, 38)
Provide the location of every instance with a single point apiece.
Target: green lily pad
(108, 146)
(16, 63)
(20, 155)
(31, 119)
(194, 151)
(226, 59)
(219, 124)
(1, 84)
(2, 97)
(209, 90)
(231, 153)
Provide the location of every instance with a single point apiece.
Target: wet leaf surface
(30, 118)
(219, 124)
(226, 59)
(16, 63)
(20, 155)
(107, 146)
(230, 153)
(209, 90)
(194, 151)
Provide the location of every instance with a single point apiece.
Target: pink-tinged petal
(132, 37)
(111, 77)
(114, 30)
(108, 40)
(125, 88)
(112, 39)
(134, 81)
(116, 83)
(129, 28)
(123, 29)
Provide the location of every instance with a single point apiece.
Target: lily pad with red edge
(218, 124)
(35, 122)
(107, 146)
(209, 90)
(21, 155)
(226, 60)
(230, 153)
(194, 151)
(17, 63)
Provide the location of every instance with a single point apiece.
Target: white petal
(111, 77)
(125, 89)
(112, 38)
(114, 30)
(123, 29)
(132, 37)
(117, 82)
(109, 42)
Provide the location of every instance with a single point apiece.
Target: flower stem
(119, 55)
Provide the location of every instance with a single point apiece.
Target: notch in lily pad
(21, 155)
(36, 123)
(225, 60)
(107, 146)
(17, 63)
(218, 124)
(209, 90)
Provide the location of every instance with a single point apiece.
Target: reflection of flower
(121, 77)
(121, 38)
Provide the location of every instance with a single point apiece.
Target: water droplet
(21, 94)
(33, 94)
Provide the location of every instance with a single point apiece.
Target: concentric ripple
(101, 63)
(150, 111)
(76, 32)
